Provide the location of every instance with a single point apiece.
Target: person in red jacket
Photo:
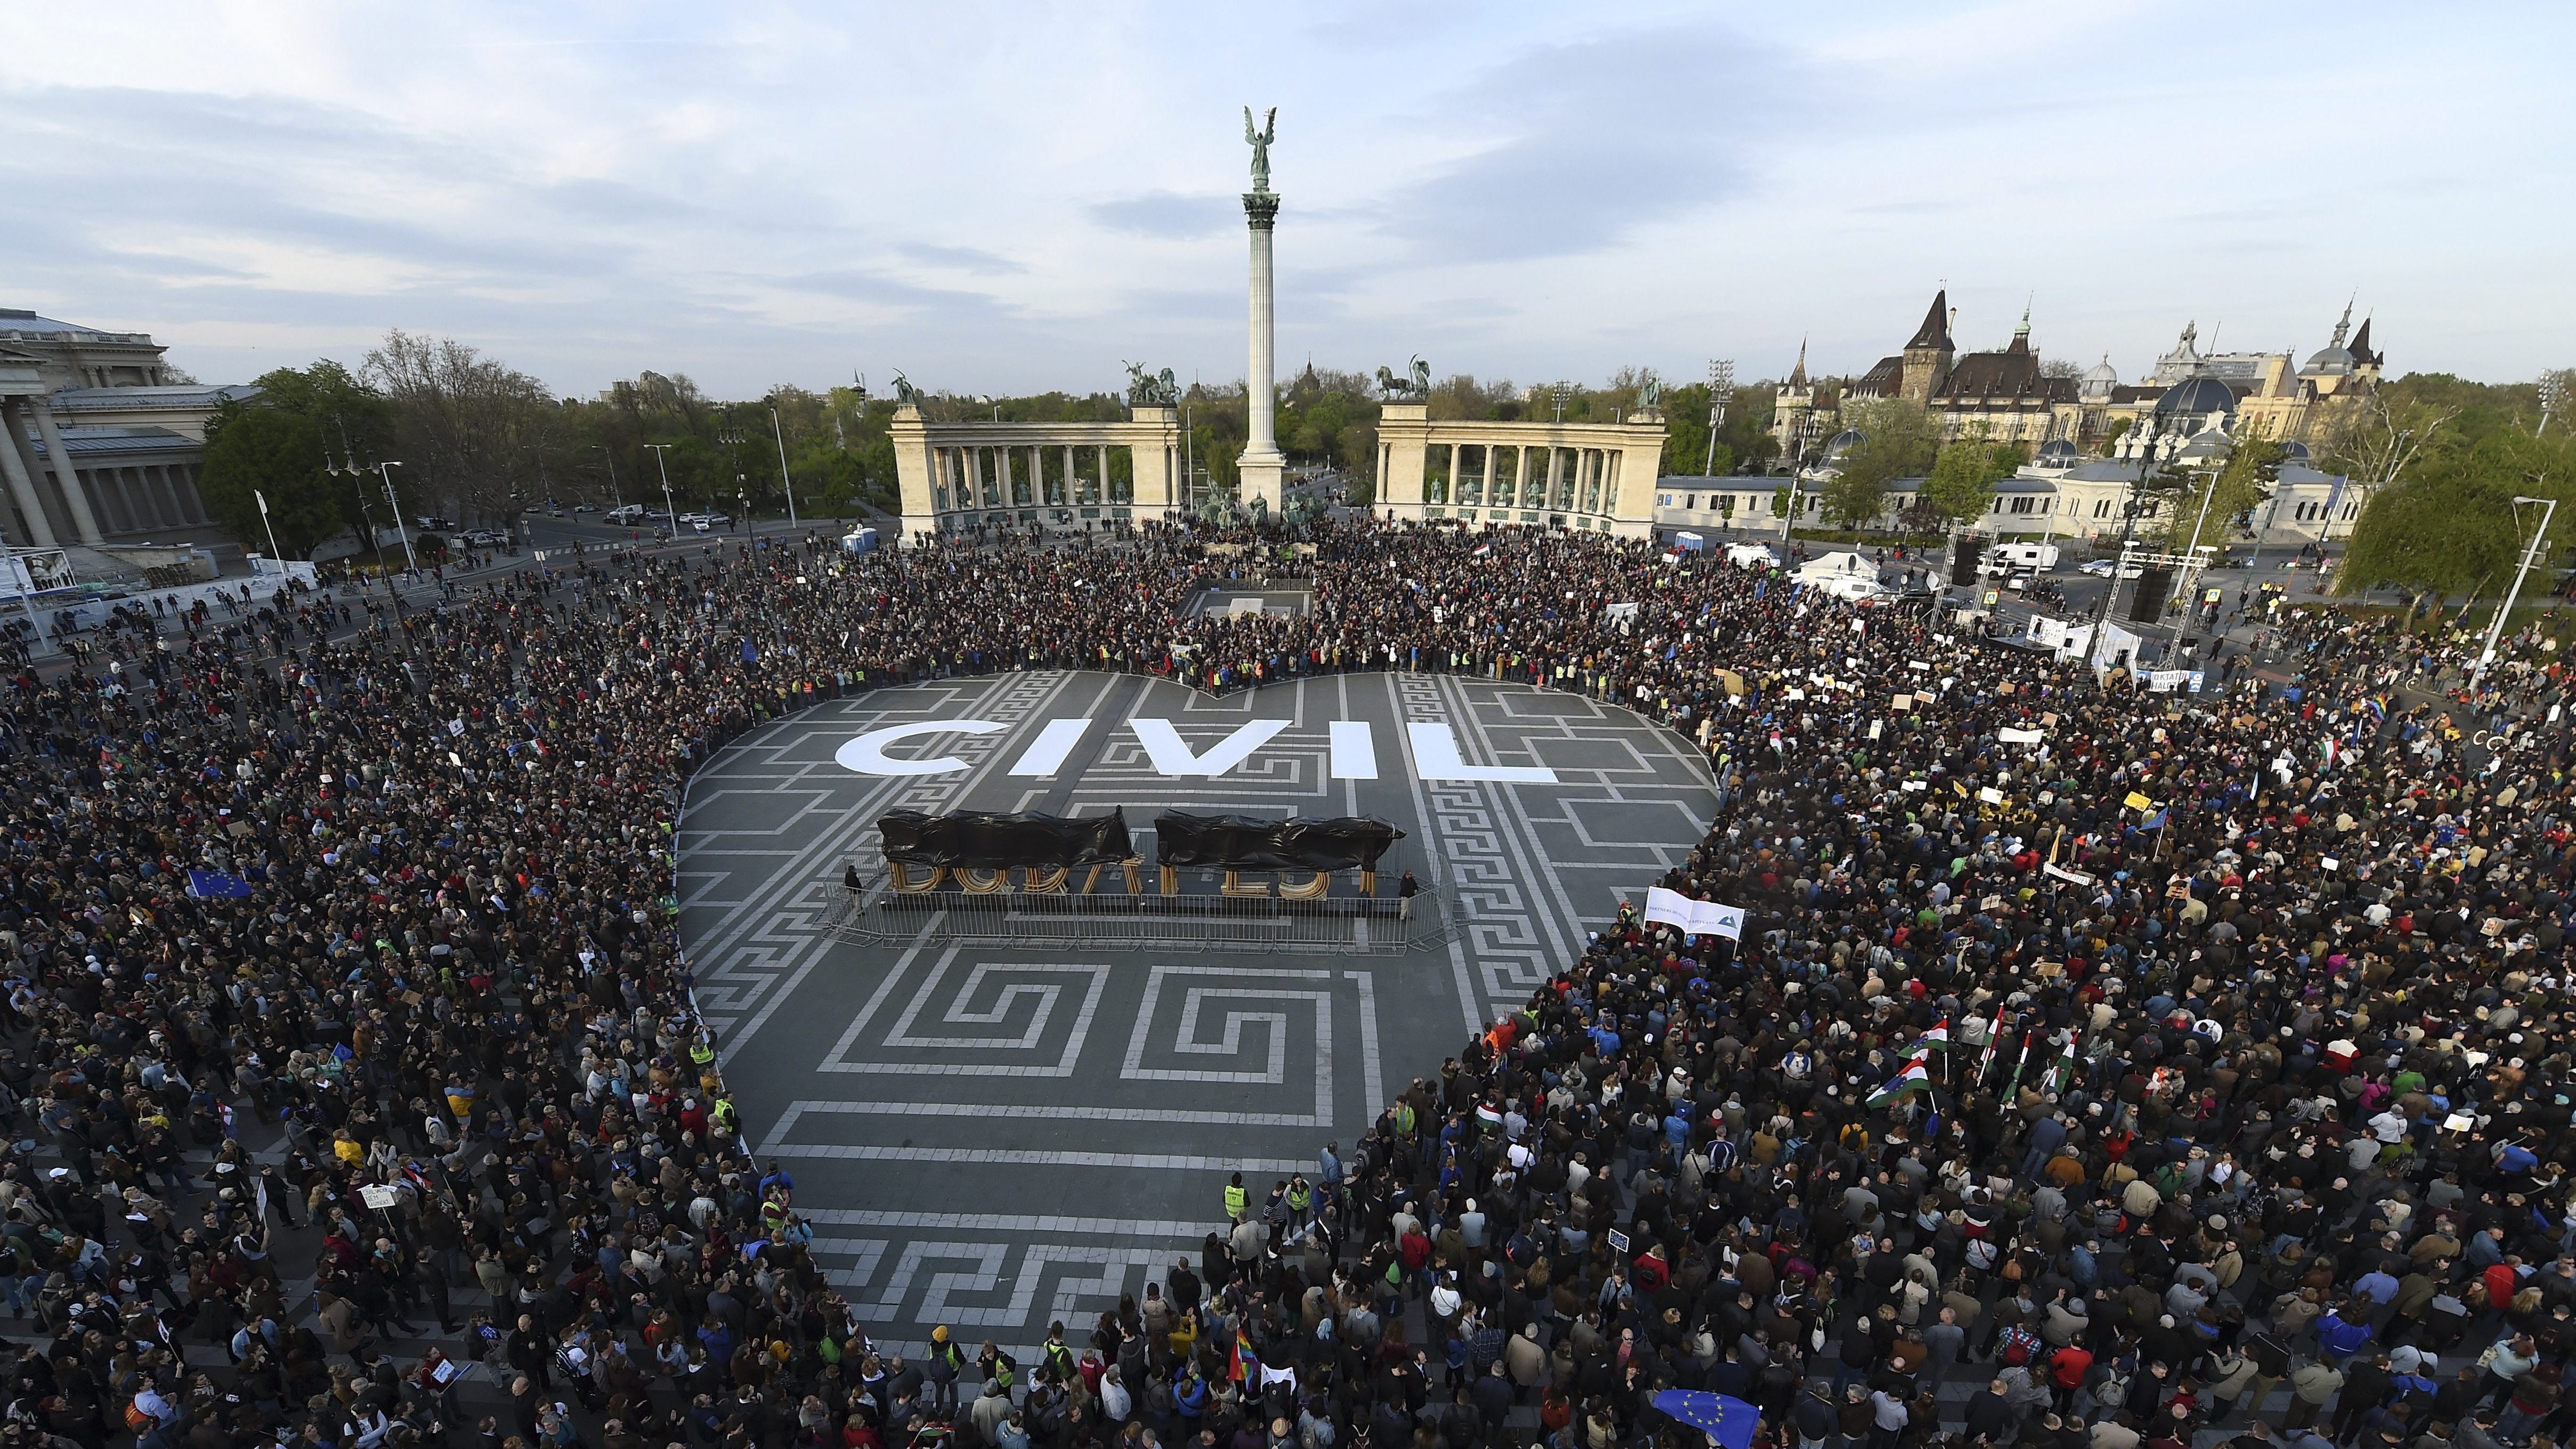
(1652, 1271)
(2066, 1370)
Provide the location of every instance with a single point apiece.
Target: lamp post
(1721, 381)
(614, 491)
(401, 529)
(2539, 536)
(786, 484)
(2128, 535)
(670, 510)
(383, 474)
(731, 437)
(2553, 391)
(1806, 427)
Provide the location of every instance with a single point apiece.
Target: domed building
(1830, 458)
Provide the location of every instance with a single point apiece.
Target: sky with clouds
(1011, 197)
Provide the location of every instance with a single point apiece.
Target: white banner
(2012, 736)
(1695, 918)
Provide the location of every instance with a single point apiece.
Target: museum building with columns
(103, 441)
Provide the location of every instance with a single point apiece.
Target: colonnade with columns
(1517, 477)
(55, 497)
(1060, 477)
(968, 478)
(1596, 477)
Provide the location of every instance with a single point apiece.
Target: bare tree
(473, 431)
(2373, 441)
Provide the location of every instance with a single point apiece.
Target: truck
(2006, 558)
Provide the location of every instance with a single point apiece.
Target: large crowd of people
(2140, 1066)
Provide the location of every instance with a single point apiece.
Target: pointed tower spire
(2361, 353)
(2345, 324)
(1935, 331)
(1798, 374)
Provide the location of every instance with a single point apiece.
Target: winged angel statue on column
(1261, 138)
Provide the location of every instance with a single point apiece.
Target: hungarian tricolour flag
(1912, 1077)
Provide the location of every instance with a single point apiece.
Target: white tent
(1836, 566)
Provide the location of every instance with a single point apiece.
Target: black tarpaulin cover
(1239, 842)
(980, 840)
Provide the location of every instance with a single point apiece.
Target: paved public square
(992, 1137)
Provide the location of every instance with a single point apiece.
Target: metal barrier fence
(883, 916)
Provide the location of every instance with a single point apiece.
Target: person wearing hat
(942, 1367)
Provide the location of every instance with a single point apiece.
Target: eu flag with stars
(1727, 1421)
(216, 885)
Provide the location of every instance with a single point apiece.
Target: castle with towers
(2009, 396)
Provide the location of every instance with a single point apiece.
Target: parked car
(630, 513)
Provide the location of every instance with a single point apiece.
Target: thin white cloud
(1008, 197)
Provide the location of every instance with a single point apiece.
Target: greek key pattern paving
(764, 940)
(1096, 1102)
(1503, 942)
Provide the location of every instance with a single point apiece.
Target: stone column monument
(1261, 463)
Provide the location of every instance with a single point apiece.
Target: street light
(672, 510)
(351, 469)
(2553, 391)
(2129, 511)
(786, 484)
(2539, 535)
(1721, 381)
(613, 490)
(1807, 426)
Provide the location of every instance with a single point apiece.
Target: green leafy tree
(2222, 495)
(1897, 441)
(258, 451)
(1961, 485)
(2448, 525)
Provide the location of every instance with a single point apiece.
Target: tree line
(479, 442)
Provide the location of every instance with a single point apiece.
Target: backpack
(2019, 1345)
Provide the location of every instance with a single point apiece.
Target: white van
(627, 516)
(2037, 557)
(1751, 556)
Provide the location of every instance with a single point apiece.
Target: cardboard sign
(2137, 801)
(1990, 794)
(377, 1196)
(1901, 702)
